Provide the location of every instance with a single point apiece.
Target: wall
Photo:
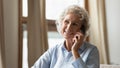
(113, 28)
(11, 32)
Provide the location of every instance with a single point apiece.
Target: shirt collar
(81, 49)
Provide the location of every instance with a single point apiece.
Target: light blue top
(59, 57)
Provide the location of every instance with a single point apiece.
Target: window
(23, 13)
(24, 26)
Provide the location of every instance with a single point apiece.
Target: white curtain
(37, 33)
(2, 42)
(98, 28)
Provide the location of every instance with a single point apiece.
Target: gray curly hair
(75, 9)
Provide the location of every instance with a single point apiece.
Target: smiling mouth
(69, 33)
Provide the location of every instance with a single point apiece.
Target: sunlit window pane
(54, 38)
(24, 8)
(25, 39)
(54, 7)
(25, 49)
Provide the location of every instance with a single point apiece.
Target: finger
(81, 35)
(74, 40)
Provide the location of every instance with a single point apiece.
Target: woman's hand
(77, 42)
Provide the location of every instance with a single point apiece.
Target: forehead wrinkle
(73, 18)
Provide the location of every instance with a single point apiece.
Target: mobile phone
(82, 29)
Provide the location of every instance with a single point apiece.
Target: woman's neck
(68, 44)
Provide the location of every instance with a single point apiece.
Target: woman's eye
(75, 24)
(66, 22)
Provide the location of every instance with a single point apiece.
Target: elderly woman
(74, 52)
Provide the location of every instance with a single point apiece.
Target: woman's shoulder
(90, 46)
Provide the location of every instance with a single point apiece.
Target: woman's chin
(68, 37)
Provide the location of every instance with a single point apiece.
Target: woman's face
(70, 25)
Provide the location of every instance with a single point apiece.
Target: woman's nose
(69, 27)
